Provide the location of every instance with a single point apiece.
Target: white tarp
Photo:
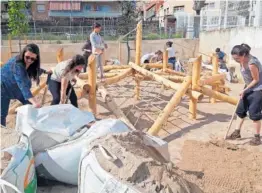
(52, 125)
(20, 171)
(61, 162)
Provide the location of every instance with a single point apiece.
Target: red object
(64, 6)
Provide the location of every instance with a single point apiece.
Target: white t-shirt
(147, 57)
(59, 70)
(171, 52)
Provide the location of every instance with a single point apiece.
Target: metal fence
(231, 14)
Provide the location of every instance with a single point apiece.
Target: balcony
(84, 14)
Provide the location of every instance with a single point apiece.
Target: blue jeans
(5, 102)
(173, 62)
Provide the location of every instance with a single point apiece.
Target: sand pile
(9, 137)
(139, 165)
(220, 167)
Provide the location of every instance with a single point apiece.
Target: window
(88, 7)
(178, 8)
(167, 11)
(164, 11)
(40, 8)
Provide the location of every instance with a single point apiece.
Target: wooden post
(138, 56)
(196, 69)
(92, 82)
(25, 38)
(165, 60)
(10, 46)
(138, 42)
(60, 55)
(175, 100)
(119, 52)
(214, 72)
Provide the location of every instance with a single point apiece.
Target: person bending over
(59, 83)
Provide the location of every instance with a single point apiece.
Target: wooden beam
(60, 55)
(117, 78)
(108, 99)
(217, 95)
(212, 79)
(214, 72)
(170, 71)
(92, 83)
(148, 66)
(165, 60)
(138, 43)
(196, 72)
(158, 78)
(115, 67)
(175, 100)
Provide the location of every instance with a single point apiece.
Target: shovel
(70, 91)
(231, 121)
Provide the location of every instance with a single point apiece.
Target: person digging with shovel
(59, 83)
(251, 96)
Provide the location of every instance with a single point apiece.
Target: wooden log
(170, 71)
(174, 78)
(152, 76)
(175, 100)
(60, 55)
(92, 83)
(217, 95)
(108, 99)
(196, 72)
(115, 67)
(192, 107)
(138, 43)
(137, 89)
(214, 72)
(165, 60)
(34, 91)
(212, 79)
(117, 78)
(155, 65)
(84, 76)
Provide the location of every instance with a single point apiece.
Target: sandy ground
(187, 138)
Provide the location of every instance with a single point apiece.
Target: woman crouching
(64, 73)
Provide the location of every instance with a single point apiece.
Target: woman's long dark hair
(77, 60)
(34, 69)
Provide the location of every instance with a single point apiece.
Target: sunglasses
(30, 58)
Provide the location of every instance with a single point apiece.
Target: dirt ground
(211, 165)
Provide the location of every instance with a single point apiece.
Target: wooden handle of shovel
(231, 121)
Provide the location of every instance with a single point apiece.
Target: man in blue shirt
(222, 62)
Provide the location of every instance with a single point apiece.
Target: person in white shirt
(171, 54)
(154, 56)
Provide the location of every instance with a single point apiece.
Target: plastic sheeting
(20, 171)
(52, 125)
(61, 162)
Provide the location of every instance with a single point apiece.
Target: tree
(127, 21)
(18, 21)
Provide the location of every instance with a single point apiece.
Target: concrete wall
(227, 39)
(48, 51)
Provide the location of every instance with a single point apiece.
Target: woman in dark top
(251, 95)
(87, 49)
(16, 76)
